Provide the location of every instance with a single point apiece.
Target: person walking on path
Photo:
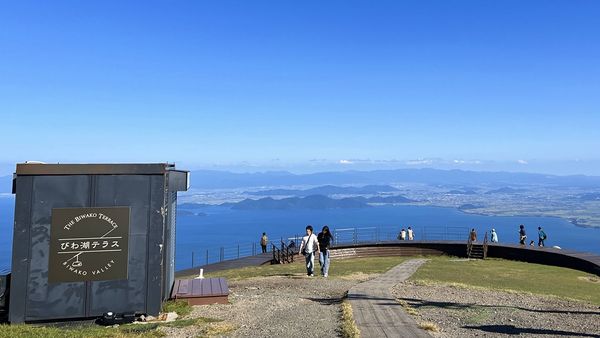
(473, 235)
(494, 236)
(522, 234)
(402, 235)
(308, 247)
(541, 236)
(264, 240)
(411, 235)
(325, 240)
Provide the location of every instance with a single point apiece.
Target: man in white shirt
(308, 247)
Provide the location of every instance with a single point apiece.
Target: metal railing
(485, 245)
(283, 254)
(356, 235)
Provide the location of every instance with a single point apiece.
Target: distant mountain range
(462, 192)
(326, 190)
(307, 202)
(210, 179)
(505, 190)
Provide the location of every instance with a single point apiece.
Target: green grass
(338, 268)
(181, 307)
(123, 331)
(87, 331)
(501, 274)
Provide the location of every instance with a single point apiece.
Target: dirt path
(293, 306)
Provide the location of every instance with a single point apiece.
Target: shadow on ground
(418, 303)
(513, 330)
(326, 301)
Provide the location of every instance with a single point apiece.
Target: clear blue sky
(266, 82)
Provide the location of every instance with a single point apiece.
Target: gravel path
(462, 312)
(283, 306)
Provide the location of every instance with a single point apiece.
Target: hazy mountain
(210, 179)
(193, 205)
(326, 190)
(462, 192)
(390, 199)
(308, 202)
(505, 190)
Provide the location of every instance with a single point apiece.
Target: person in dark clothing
(325, 240)
(522, 234)
(541, 236)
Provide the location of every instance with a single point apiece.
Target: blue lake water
(228, 228)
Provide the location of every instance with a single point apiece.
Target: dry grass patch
(409, 309)
(218, 328)
(349, 328)
(429, 326)
(360, 276)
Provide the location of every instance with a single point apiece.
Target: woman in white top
(308, 247)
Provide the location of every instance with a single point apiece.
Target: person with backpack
(308, 247)
(325, 240)
(541, 236)
(264, 240)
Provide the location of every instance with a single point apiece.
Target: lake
(225, 227)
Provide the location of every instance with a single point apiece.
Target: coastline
(573, 221)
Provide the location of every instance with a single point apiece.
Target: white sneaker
(325, 275)
(312, 274)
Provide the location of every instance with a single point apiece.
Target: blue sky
(294, 84)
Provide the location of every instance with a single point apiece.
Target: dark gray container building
(92, 238)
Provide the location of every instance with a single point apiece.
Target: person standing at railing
(473, 235)
(308, 247)
(402, 235)
(541, 236)
(494, 236)
(411, 235)
(325, 239)
(264, 240)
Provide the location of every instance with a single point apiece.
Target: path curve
(377, 312)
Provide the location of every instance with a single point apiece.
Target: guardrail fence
(341, 236)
